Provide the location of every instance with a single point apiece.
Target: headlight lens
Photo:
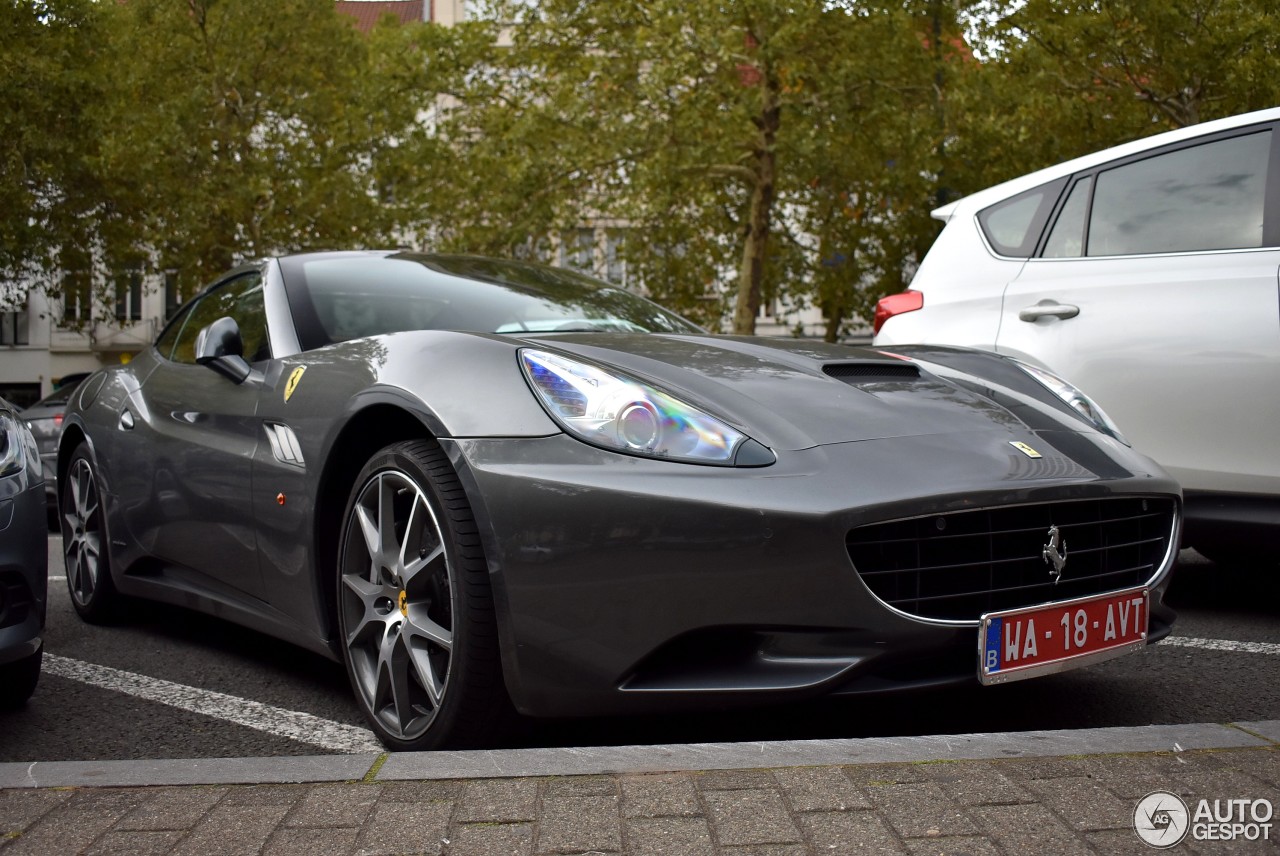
(17, 446)
(1076, 400)
(624, 415)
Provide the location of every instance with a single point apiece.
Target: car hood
(793, 394)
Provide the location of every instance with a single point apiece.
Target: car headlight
(17, 446)
(1075, 399)
(625, 415)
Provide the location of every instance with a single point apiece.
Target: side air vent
(877, 372)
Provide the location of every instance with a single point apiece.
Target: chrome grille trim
(922, 568)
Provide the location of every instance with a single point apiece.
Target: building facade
(45, 339)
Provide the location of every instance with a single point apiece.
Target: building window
(172, 293)
(129, 297)
(615, 265)
(76, 307)
(14, 328)
(580, 250)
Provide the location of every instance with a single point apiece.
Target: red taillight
(896, 304)
(57, 419)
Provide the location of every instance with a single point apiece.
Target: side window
(242, 300)
(1066, 240)
(1013, 226)
(1206, 197)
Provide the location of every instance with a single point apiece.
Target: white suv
(1149, 276)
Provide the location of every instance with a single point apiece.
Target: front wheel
(415, 610)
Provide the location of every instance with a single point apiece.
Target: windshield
(340, 297)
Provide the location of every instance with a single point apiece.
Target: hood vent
(876, 372)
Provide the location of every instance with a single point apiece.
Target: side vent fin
(284, 444)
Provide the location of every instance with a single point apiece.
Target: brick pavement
(1053, 805)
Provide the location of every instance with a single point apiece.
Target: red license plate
(1022, 643)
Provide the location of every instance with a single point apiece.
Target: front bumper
(628, 585)
(24, 572)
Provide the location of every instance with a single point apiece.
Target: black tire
(18, 680)
(84, 542)
(415, 610)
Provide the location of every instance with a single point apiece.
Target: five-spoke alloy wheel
(414, 611)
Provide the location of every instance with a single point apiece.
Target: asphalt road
(169, 683)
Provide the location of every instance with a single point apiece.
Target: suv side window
(242, 299)
(1205, 197)
(1066, 239)
(1014, 225)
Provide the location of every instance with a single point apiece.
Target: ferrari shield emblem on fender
(1021, 447)
(292, 383)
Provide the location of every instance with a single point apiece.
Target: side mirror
(220, 347)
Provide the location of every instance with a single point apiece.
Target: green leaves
(46, 187)
(732, 152)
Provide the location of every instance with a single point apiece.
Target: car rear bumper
(625, 584)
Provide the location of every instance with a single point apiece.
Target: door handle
(1048, 308)
(126, 420)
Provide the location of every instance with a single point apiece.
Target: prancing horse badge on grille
(1055, 553)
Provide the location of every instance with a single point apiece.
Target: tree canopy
(738, 151)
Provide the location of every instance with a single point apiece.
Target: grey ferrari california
(489, 486)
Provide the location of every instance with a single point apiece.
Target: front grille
(959, 565)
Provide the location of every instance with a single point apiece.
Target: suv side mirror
(220, 347)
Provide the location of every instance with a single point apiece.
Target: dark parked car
(483, 484)
(24, 560)
(44, 418)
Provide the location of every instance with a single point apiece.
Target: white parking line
(337, 736)
(1223, 645)
(57, 579)
(277, 721)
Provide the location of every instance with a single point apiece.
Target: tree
(47, 191)
(1063, 79)
(234, 129)
(713, 131)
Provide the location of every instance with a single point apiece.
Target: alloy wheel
(83, 533)
(397, 605)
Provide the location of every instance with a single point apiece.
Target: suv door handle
(1049, 308)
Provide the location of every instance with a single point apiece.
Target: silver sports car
(489, 486)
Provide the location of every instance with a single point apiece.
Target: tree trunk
(751, 274)
(834, 317)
